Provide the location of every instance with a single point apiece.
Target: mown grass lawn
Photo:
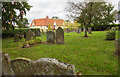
(91, 56)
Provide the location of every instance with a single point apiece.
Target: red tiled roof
(46, 21)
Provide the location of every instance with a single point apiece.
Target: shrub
(27, 44)
(11, 33)
(111, 35)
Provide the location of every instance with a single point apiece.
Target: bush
(11, 33)
(111, 35)
(27, 44)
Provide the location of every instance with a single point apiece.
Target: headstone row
(27, 35)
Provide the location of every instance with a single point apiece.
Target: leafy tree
(55, 17)
(9, 13)
(88, 13)
(22, 23)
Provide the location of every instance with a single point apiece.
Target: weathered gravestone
(51, 66)
(16, 38)
(90, 30)
(6, 70)
(43, 66)
(67, 30)
(24, 34)
(50, 37)
(117, 46)
(60, 36)
(38, 33)
(78, 30)
(21, 66)
(28, 35)
(34, 36)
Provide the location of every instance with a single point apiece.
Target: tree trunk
(85, 32)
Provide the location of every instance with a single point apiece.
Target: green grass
(91, 56)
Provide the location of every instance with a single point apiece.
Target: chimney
(47, 17)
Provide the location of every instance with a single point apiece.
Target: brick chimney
(47, 17)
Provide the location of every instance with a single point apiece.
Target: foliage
(90, 13)
(22, 23)
(55, 17)
(91, 56)
(9, 13)
(111, 35)
(31, 42)
(11, 33)
(71, 25)
(49, 27)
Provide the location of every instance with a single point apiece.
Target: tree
(55, 17)
(22, 23)
(88, 13)
(9, 13)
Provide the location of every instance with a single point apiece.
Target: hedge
(11, 33)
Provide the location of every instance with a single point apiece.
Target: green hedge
(111, 35)
(11, 33)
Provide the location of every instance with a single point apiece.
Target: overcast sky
(43, 8)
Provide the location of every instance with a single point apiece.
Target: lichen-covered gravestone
(90, 30)
(50, 37)
(28, 35)
(21, 66)
(60, 36)
(6, 70)
(117, 46)
(16, 38)
(50, 66)
(42, 66)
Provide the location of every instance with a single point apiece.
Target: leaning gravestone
(28, 35)
(16, 38)
(90, 30)
(50, 37)
(60, 36)
(117, 46)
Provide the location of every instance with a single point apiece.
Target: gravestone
(24, 34)
(21, 36)
(28, 35)
(117, 47)
(67, 30)
(78, 30)
(38, 33)
(42, 66)
(50, 37)
(51, 66)
(16, 38)
(21, 66)
(6, 70)
(34, 36)
(60, 36)
(90, 30)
